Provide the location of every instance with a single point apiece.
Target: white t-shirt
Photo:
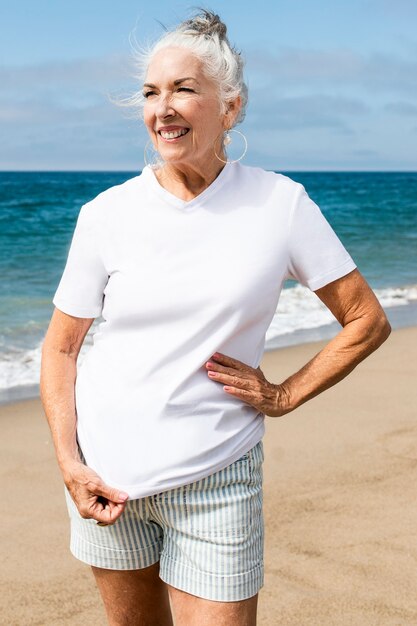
(176, 281)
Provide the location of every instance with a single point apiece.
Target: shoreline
(400, 317)
(339, 504)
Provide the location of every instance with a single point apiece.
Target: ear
(232, 111)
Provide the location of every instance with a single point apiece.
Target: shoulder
(112, 199)
(268, 178)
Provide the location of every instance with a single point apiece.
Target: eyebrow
(176, 82)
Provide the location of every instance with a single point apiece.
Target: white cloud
(97, 73)
(401, 108)
(310, 111)
(294, 67)
(321, 107)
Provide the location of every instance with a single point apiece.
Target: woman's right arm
(60, 350)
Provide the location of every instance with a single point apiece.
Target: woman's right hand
(93, 498)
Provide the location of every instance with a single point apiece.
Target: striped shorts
(207, 535)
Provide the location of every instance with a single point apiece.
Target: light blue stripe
(205, 553)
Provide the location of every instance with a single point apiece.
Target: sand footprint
(401, 443)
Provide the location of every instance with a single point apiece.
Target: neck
(188, 181)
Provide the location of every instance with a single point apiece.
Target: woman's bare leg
(189, 610)
(134, 598)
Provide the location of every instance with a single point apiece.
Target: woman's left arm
(365, 328)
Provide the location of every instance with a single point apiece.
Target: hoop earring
(227, 140)
(155, 161)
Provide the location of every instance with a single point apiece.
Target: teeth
(174, 133)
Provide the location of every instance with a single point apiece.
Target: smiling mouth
(173, 134)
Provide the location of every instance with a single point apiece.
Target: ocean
(373, 213)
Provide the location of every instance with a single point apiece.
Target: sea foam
(300, 317)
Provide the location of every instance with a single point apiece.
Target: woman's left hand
(248, 384)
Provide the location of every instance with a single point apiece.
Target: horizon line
(133, 171)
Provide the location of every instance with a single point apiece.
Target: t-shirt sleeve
(316, 254)
(80, 290)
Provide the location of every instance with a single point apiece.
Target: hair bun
(206, 23)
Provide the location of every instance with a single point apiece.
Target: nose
(164, 107)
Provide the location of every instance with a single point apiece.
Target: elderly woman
(159, 436)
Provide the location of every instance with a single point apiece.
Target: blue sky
(332, 85)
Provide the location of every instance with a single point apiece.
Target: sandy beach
(339, 501)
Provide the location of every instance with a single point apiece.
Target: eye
(186, 89)
(146, 94)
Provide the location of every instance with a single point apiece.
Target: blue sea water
(374, 214)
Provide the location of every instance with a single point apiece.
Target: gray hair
(205, 35)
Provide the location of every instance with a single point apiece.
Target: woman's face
(182, 110)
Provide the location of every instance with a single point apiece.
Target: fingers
(94, 485)
(231, 379)
(245, 383)
(237, 378)
(111, 494)
(229, 361)
(103, 503)
(212, 366)
(95, 507)
(106, 514)
(227, 365)
(109, 505)
(93, 498)
(230, 371)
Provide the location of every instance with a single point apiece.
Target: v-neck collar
(187, 205)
